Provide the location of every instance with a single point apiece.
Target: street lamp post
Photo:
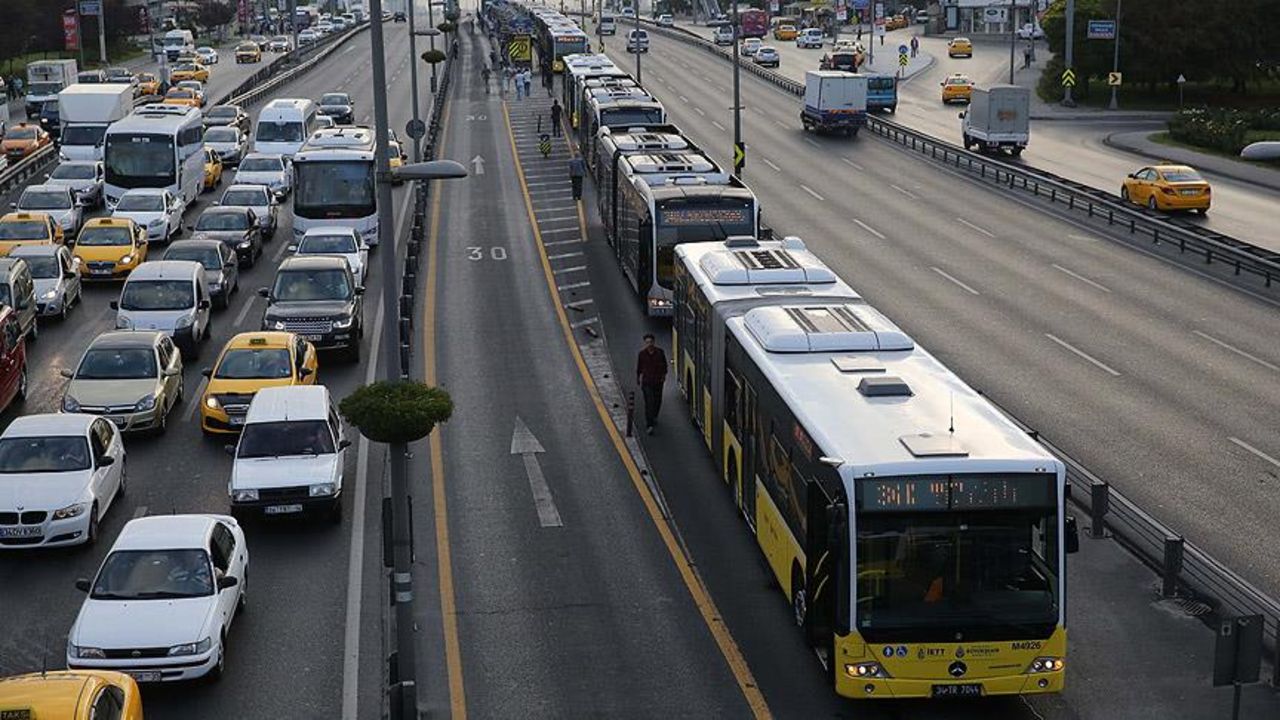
(737, 97)
(636, 8)
(431, 20)
(1115, 60)
(413, 78)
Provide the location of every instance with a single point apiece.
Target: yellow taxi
(957, 88)
(248, 52)
(24, 228)
(249, 362)
(181, 96)
(110, 248)
(70, 695)
(148, 84)
(960, 47)
(1168, 187)
(785, 32)
(189, 71)
(212, 169)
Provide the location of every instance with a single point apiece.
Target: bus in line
(917, 533)
(753, 22)
(334, 182)
(618, 107)
(156, 146)
(612, 145)
(579, 70)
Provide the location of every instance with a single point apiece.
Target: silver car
(56, 201)
(273, 171)
(228, 142)
(132, 377)
(258, 198)
(56, 275)
(221, 266)
(83, 177)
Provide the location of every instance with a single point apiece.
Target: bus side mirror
(1072, 535)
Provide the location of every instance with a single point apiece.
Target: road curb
(1111, 140)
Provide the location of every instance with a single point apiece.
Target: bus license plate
(282, 509)
(962, 690)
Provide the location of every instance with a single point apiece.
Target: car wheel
(34, 333)
(91, 535)
(22, 385)
(162, 424)
(1124, 193)
(215, 674)
(66, 307)
(1203, 211)
(242, 602)
(124, 479)
(1151, 203)
(353, 352)
(335, 512)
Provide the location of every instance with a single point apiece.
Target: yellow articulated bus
(918, 534)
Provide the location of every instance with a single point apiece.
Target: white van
(290, 456)
(169, 296)
(638, 41)
(608, 26)
(284, 125)
(177, 43)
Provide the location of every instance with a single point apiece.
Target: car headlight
(49, 295)
(70, 511)
(343, 323)
(70, 404)
(244, 244)
(185, 321)
(1045, 664)
(212, 403)
(244, 495)
(194, 648)
(87, 652)
(277, 324)
(156, 223)
(323, 489)
(145, 403)
(126, 259)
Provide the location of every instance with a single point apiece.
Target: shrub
(433, 56)
(1215, 128)
(399, 411)
(446, 27)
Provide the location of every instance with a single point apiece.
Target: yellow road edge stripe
(692, 581)
(444, 556)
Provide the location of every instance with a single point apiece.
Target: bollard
(1171, 567)
(1099, 505)
(631, 410)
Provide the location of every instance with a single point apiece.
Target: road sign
(903, 49)
(739, 157)
(879, 10)
(1182, 78)
(902, 60)
(1068, 78)
(416, 129)
(518, 49)
(1115, 79)
(1101, 30)
(90, 7)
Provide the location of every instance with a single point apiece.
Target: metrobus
(334, 182)
(156, 146)
(612, 145)
(918, 534)
(618, 108)
(557, 36)
(658, 201)
(753, 22)
(578, 70)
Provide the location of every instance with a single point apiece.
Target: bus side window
(732, 401)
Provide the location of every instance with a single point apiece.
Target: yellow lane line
(692, 581)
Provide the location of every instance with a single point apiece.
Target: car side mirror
(106, 461)
(70, 275)
(359, 290)
(82, 584)
(171, 372)
(305, 372)
(115, 304)
(1132, 175)
(227, 581)
(66, 373)
(1072, 533)
(292, 248)
(343, 444)
(960, 115)
(13, 205)
(203, 305)
(229, 449)
(263, 292)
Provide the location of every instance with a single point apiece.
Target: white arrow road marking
(524, 444)
(478, 162)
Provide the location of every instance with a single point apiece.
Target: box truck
(85, 111)
(998, 118)
(834, 100)
(45, 79)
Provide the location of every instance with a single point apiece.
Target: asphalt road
(285, 656)
(1160, 380)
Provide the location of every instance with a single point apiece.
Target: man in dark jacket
(651, 374)
(555, 118)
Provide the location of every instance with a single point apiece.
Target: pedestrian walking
(528, 82)
(577, 169)
(519, 78)
(1026, 58)
(915, 45)
(651, 375)
(484, 75)
(504, 79)
(555, 117)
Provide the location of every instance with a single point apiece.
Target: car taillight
(1206, 189)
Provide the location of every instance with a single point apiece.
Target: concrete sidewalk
(1139, 142)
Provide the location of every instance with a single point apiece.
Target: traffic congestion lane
(953, 262)
(275, 648)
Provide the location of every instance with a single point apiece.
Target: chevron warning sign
(1068, 78)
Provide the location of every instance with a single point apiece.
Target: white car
(809, 38)
(228, 142)
(749, 46)
(257, 198)
(341, 241)
(84, 177)
(665, 20)
(274, 171)
(1031, 31)
(306, 37)
(56, 275)
(59, 474)
(207, 55)
(156, 209)
(161, 606)
(723, 35)
(56, 201)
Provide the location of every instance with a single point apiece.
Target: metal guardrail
(23, 170)
(1186, 570)
(1241, 256)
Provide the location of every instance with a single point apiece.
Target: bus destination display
(701, 215)
(956, 492)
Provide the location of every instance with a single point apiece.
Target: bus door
(645, 249)
(825, 527)
(750, 454)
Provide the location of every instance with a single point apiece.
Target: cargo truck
(84, 112)
(834, 101)
(998, 118)
(45, 79)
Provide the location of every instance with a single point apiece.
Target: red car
(13, 359)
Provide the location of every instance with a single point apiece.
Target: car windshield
(221, 135)
(261, 164)
(255, 363)
(83, 134)
(154, 575)
(280, 439)
(208, 257)
(74, 171)
(43, 267)
(958, 81)
(180, 93)
(157, 295)
(45, 200)
(23, 230)
(308, 285)
(131, 363)
(1182, 175)
(146, 202)
(245, 197)
(59, 453)
(222, 112)
(223, 221)
(328, 244)
(186, 68)
(335, 99)
(279, 132)
(99, 236)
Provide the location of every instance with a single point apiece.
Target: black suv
(317, 297)
(338, 106)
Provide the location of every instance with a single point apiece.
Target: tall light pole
(635, 6)
(738, 150)
(1070, 54)
(1013, 35)
(413, 78)
(431, 38)
(1115, 61)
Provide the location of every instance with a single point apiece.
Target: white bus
(578, 70)
(333, 181)
(157, 146)
(612, 145)
(618, 107)
(283, 126)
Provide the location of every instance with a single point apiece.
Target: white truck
(834, 101)
(45, 79)
(85, 111)
(998, 118)
(178, 42)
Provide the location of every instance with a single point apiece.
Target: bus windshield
(982, 575)
(629, 117)
(138, 160)
(683, 220)
(334, 189)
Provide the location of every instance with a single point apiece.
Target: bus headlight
(1045, 664)
(865, 670)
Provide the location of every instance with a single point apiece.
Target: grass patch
(1163, 138)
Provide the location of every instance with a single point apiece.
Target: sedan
(957, 88)
(83, 177)
(109, 248)
(157, 210)
(233, 115)
(228, 142)
(220, 264)
(237, 227)
(57, 280)
(1168, 187)
(189, 71)
(22, 140)
(767, 57)
(341, 241)
(960, 47)
(337, 106)
(279, 44)
(749, 46)
(248, 52)
(809, 38)
(182, 96)
(161, 605)
(61, 473)
(272, 171)
(133, 377)
(665, 20)
(258, 199)
(207, 55)
(56, 201)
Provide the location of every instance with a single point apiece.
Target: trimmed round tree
(398, 411)
(433, 56)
